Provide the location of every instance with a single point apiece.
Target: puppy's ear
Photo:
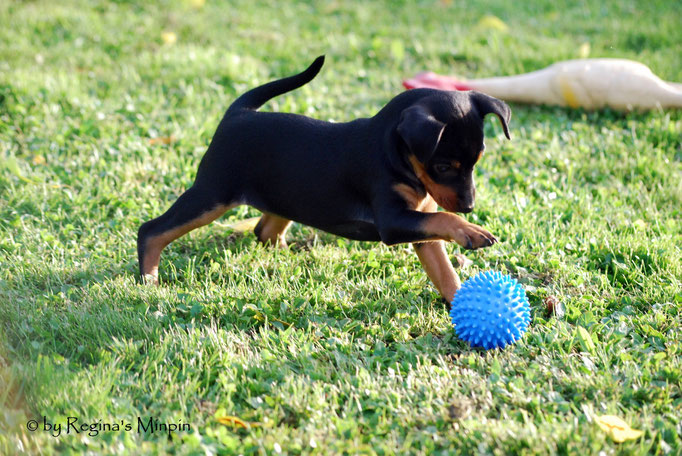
(420, 131)
(490, 105)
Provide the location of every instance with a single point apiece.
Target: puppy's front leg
(415, 226)
(400, 225)
(438, 267)
(451, 227)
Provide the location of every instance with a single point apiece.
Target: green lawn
(330, 346)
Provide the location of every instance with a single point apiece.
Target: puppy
(377, 179)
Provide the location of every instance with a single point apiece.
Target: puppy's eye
(443, 168)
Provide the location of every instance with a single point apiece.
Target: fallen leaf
(38, 160)
(617, 429)
(639, 224)
(236, 422)
(162, 140)
(260, 316)
(493, 22)
(554, 307)
(169, 37)
(459, 409)
(584, 50)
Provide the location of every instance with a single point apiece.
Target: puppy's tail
(255, 98)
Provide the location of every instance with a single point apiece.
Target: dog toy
(584, 83)
(490, 310)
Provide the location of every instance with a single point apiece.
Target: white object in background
(586, 83)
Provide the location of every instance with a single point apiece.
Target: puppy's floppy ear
(490, 105)
(420, 131)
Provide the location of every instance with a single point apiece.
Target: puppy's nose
(466, 209)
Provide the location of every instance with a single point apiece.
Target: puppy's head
(443, 133)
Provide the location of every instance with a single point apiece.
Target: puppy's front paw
(473, 237)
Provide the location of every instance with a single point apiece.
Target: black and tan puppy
(378, 179)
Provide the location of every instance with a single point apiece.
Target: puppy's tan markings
(450, 227)
(480, 154)
(154, 245)
(272, 228)
(445, 197)
(415, 199)
(434, 259)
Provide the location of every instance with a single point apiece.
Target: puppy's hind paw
(150, 278)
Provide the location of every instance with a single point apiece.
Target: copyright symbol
(32, 425)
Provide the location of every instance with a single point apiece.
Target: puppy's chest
(415, 199)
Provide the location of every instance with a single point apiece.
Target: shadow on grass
(74, 313)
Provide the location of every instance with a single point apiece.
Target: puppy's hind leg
(272, 228)
(196, 207)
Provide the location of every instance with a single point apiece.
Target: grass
(331, 346)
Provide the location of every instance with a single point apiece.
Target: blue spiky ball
(490, 310)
